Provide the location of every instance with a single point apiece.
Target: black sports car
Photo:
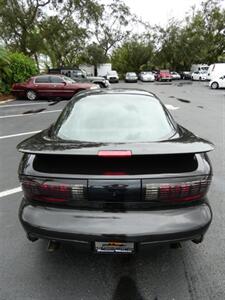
(115, 173)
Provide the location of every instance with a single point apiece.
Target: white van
(215, 70)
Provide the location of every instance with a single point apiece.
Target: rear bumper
(142, 227)
(147, 80)
(131, 80)
(165, 79)
(113, 80)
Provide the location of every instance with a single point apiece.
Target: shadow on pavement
(127, 290)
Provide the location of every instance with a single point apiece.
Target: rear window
(115, 118)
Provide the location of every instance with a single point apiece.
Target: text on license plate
(114, 247)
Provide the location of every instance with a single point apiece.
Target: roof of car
(44, 75)
(122, 91)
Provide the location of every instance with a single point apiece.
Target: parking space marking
(171, 107)
(18, 134)
(24, 104)
(10, 192)
(9, 100)
(24, 115)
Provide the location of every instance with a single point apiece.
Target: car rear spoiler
(41, 143)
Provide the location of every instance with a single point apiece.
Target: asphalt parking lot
(28, 271)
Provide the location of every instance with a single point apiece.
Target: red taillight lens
(52, 192)
(177, 192)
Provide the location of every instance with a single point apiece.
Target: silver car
(131, 77)
(146, 76)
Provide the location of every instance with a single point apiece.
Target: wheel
(200, 78)
(31, 95)
(214, 85)
(101, 85)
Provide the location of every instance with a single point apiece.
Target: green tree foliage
(22, 67)
(14, 67)
(200, 40)
(205, 31)
(114, 26)
(93, 54)
(5, 71)
(62, 40)
(23, 24)
(134, 55)
(18, 21)
(73, 31)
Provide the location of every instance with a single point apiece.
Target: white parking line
(171, 107)
(18, 134)
(24, 115)
(24, 104)
(9, 100)
(10, 192)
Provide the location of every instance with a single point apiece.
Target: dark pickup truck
(79, 75)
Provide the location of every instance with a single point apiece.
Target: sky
(159, 11)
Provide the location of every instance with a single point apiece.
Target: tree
(201, 39)
(18, 20)
(62, 40)
(133, 55)
(114, 26)
(93, 54)
(22, 23)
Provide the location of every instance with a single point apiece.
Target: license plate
(114, 247)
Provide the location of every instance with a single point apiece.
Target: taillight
(52, 191)
(179, 192)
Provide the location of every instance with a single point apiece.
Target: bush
(5, 72)
(22, 67)
(14, 67)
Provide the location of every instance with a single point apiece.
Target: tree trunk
(37, 62)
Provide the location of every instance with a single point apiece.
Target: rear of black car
(115, 197)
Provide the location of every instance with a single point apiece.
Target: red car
(49, 86)
(163, 75)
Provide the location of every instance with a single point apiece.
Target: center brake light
(52, 192)
(114, 153)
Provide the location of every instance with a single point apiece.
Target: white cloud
(160, 11)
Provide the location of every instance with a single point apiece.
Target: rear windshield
(115, 118)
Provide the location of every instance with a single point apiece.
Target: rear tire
(214, 85)
(31, 95)
(101, 85)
